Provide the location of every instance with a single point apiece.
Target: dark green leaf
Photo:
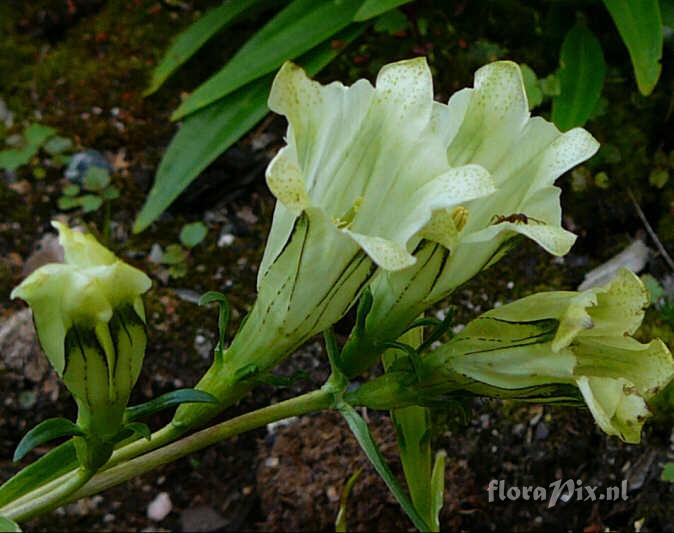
(51, 465)
(297, 29)
(193, 234)
(68, 202)
(193, 38)
(14, 158)
(110, 193)
(36, 134)
(640, 27)
(96, 179)
(71, 190)
(360, 430)
(90, 202)
(392, 22)
(45, 431)
(8, 526)
(209, 132)
(581, 78)
(668, 473)
(173, 255)
(167, 400)
(372, 8)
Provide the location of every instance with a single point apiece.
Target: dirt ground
(81, 67)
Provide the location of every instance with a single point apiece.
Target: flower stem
(50, 500)
(313, 401)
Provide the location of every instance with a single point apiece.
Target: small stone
(271, 462)
(202, 518)
(160, 507)
(332, 494)
(226, 239)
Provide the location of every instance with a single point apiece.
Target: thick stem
(307, 403)
(50, 500)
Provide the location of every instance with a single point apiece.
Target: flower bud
(90, 322)
(567, 338)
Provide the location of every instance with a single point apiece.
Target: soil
(81, 67)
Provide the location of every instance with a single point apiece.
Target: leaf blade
(45, 431)
(194, 37)
(373, 8)
(360, 430)
(581, 78)
(297, 29)
(167, 400)
(221, 124)
(51, 465)
(640, 26)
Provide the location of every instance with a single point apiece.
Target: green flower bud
(568, 338)
(90, 322)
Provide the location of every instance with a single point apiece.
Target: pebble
(202, 518)
(160, 507)
(226, 239)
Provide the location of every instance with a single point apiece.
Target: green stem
(306, 403)
(51, 500)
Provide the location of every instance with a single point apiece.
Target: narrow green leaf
(8, 526)
(45, 431)
(360, 430)
(412, 426)
(51, 465)
(189, 41)
(209, 132)
(295, 30)
(192, 234)
(640, 26)
(581, 78)
(167, 400)
(340, 521)
(372, 8)
(438, 487)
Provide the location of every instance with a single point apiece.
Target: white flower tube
(488, 125)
